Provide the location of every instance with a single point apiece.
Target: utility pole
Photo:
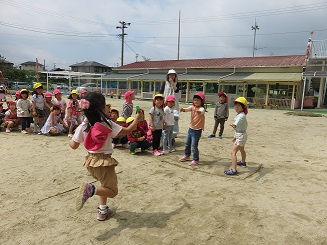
(122, 26)
(255, 28)
(179, 34)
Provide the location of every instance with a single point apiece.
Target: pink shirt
(197, 119)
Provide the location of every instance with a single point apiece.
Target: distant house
(6, 64)
(30, 66)
(90, 67)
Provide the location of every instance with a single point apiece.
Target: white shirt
(169, 116)
(240, 122)
(80, 135)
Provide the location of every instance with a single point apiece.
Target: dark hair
(34, 92)
(198, 97)
(95, 111)
(70, 96)
(243, 106)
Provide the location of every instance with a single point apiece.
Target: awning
(275, 77)
(315, 74)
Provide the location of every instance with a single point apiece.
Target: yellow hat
(121, 119)
(242, 100)
(130, 119)
(24, 90)
(37, 85)
(158, 95)
(74, 91)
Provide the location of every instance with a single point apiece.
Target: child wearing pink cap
(11, 120)
(59, 100)
(128, 106)
(96, 132)
(47, 104)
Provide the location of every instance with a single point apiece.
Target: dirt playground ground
(279, 199)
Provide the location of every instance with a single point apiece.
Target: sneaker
(104, 214)
(70, 136)
(211, 136)
(242, 164)
(172, 150)
(193, 163)
(157, 153)
(8, 130)
(164, 152)
(220, 137)
(132, 152)
(85, 192)
(36, 132)
(230, 172)
(184, 158)
(126, 146)
(24, 132)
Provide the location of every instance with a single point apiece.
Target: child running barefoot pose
(11, 120)
(221, 115)
(156, 123)
(96, 131)
(38, 103)
(54, 124)
(240, 125)
(195, 129)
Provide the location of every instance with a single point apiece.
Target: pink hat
(47, 95)
(223, 94)
(128, 93)
(57, 91)
(96, 137)
(170, 98)
(10, 102)
(83, 91)
(201, 95)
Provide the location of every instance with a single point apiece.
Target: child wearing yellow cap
(240, 125)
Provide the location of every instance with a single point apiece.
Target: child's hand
(152, 127)
(138, 116)
(182, 110)
(234, 139)
(232, 125)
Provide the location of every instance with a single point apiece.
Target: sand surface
(280, 198)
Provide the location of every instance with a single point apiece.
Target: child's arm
(186, 109)
(34, 108)
(62, 122)
(46, 104)
(131, 127)
(73, 144)
(52, 119)
(151, 126)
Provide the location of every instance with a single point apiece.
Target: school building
(291, 81)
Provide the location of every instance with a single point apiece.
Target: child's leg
(196, 135)
(234, 151)
(170, 136)
(36, 121)
(188, 142)
(104, 193)
(243, 153)
(222, 126)
(215, 127)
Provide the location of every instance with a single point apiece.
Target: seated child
(47, 104)
(138, 138)
(2, 113)
(54, 124)
(11, 120)
(120, 139)
(114, 114)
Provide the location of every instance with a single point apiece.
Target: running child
(38, 107)
(156, 123)
(54, 124)
(195, 129)
(221, 115)
(96, 132)
(240, 125)
(11, 120)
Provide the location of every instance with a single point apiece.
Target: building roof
(30, 63)
(88, 64)
(7, 62)
(264, 61)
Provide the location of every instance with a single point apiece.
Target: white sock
(102, 207)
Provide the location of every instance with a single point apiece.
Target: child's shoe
(85, 192)
(242, 164)
(24, 132)
(8, 130)
(70, 136)
(156, 153)
(184, 158)
(220, 137)
(172, 150)
(104, 214)
(132, 152)
(211, 136)
(193, 163)
(36, 132)
(230, 172)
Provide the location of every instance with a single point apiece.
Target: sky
(64, 32)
